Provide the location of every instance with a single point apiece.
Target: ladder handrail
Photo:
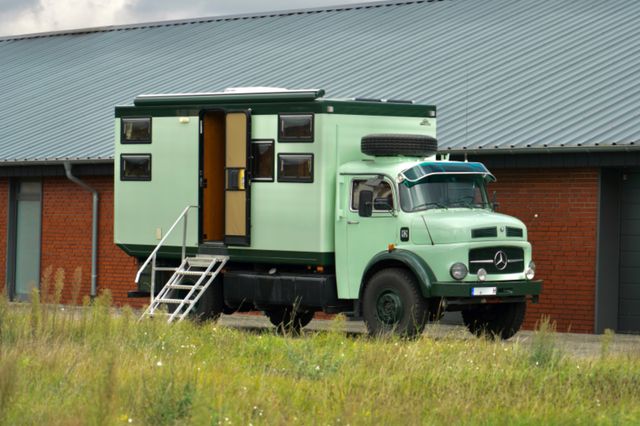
(153, 254)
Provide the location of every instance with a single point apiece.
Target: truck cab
(418, 237)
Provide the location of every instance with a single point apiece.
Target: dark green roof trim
(318, 106)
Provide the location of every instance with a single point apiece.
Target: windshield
(444, 191)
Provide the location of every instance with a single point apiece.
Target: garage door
(629, 304)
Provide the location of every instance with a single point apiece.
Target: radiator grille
(496, 260)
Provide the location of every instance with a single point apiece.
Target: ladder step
(201, 261)
(182, 286)
(174, 301)
(193, 273)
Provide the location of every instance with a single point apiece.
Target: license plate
(484, 291)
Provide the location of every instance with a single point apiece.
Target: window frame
(124, 178)
(289, 139)
(375, 212)
(125, 141)
(273, 163)
(296, 180)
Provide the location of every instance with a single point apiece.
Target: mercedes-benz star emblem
(500, 260)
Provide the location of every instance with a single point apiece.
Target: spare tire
(398, 144)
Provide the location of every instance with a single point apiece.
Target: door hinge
(200, 126)
(203, 182)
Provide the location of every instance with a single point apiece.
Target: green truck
(290, 203)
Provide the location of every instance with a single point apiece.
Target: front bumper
(503, 288)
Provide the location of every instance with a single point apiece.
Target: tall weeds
(97, 365)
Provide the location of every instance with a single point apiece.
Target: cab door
(237, 194)
(368, 236)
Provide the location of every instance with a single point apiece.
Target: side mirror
(494, 202)
(365, 205)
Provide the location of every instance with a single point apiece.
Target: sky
(35, 16)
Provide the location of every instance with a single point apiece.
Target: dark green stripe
(237, 254)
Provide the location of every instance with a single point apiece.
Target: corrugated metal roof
(504, 74)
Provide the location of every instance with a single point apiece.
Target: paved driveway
(570, 343)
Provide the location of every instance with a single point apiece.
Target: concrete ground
(583, 345)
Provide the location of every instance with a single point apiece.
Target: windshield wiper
(439, 205)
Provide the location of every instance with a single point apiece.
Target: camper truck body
(305, 221)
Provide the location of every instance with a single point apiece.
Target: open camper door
(237, 180)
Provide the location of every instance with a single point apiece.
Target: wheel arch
(399, 259)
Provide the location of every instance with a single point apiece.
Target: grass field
(89, 366)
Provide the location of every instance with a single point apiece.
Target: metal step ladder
(202, 270)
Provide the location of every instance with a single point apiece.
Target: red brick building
(546, 97)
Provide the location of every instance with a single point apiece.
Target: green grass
(89, 366)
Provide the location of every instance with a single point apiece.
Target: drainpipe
(94, 228)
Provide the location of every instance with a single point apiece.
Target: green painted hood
(456, 225)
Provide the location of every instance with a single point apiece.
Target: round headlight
(482, 274)
(531, 271)
(458, 271)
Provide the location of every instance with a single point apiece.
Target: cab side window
(382, 194)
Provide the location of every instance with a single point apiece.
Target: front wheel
(502, 320)
(392, 303)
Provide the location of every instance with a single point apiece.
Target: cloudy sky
(34, 16)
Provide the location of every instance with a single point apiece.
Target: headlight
(459, 271)
(531, 271)
(482, 274)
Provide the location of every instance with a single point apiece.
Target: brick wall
(66, 241)
(559, 207)
(4, 216)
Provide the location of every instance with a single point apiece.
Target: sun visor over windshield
(423, 170)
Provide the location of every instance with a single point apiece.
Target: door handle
(352, 222)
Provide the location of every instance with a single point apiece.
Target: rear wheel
(502, 320)
(288, 320)
(392, 303)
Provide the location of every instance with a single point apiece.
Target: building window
(295, 168)
(262, 152)
(136, 130)
(382, 193)
(135, 167)
(295, 128)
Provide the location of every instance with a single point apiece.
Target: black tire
(287, 320)
(392, 145)
(392, 303)
(492, 321)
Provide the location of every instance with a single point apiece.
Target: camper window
(262, 152)
(295, 168)
(135, 167)
(295, 128)
(136, 130)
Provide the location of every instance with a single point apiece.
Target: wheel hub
(389, 308)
